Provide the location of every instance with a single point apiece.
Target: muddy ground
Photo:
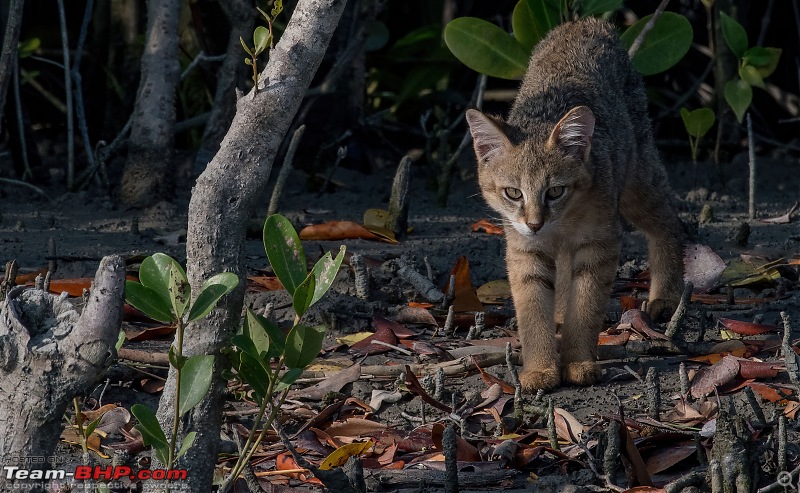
(86, 227)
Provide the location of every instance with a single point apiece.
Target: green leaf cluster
(163, 291)
(755, 64)
(261, 340)
(488, 49)
(697, 124)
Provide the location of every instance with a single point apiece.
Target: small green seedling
(261, 341)
(262, 38)
(755, 64)
(697, 124)
(163, 293)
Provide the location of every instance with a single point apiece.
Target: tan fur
(575, 154)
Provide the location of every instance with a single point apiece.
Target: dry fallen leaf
(495, 292)
(667, 456)
(487, 227)
(338, 457)
(465, 451)
(746, 328)
(784, 219)
(266, 283)
(340, 230)
(714, 376)
(702, 266)
(466, 299)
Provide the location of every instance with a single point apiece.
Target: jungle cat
(575, 154)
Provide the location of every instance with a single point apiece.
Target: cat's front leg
(594, 264)
(531, 274)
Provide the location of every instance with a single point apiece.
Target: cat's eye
(513, 193)
(553, 193)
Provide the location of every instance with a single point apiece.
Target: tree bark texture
(224, 199)
(48, 355)
(8, 51)
(150, 147)
(242, 21)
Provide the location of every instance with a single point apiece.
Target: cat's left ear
(573, 133)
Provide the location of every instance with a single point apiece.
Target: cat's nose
(534, 226)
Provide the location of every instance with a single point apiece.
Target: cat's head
(533, 177)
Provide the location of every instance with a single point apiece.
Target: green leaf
(303, 345)
(288, 378)
(252, 373)
(195, 381)
(284, 251)
(277, 8)
(751, 75)
(532, 19)
(260, 39)
(244, 45)
(120, 340)
(697, 122)
(151, 431)
(596, 7)
(324, 272)
(89, 429)
(148, 302)
(28, 47)
(304, 295)
(266, 336)
(738, 94)
(486, 48)
(377, 36)
(247, 61)
(186, 444)
(734, 34)
(210, 293)
(664, 45)
(764, 59)
(166, 277)
(175, 359)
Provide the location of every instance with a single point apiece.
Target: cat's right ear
(487, 136)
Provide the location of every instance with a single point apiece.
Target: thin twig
(76, 75)
(23, 141)
(62, 17)
(752, 156)
(25, 184)
(201, 57)
(637, 43)
(285, 169)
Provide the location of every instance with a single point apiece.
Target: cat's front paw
(545, 379)
(661, 309)
(582, 372)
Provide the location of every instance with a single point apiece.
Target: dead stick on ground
(751, 145)
(792, 359)
(397, 220)
(676, 322)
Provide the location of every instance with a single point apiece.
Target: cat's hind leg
(647, 204)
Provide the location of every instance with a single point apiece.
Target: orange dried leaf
(487, 227)
(466, 299)
(414, 304)
(790, 411)
(465, 451)
(341, 230)
(266, 283)
(747, 328)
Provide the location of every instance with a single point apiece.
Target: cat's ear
(573, 133)
(487, 135)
